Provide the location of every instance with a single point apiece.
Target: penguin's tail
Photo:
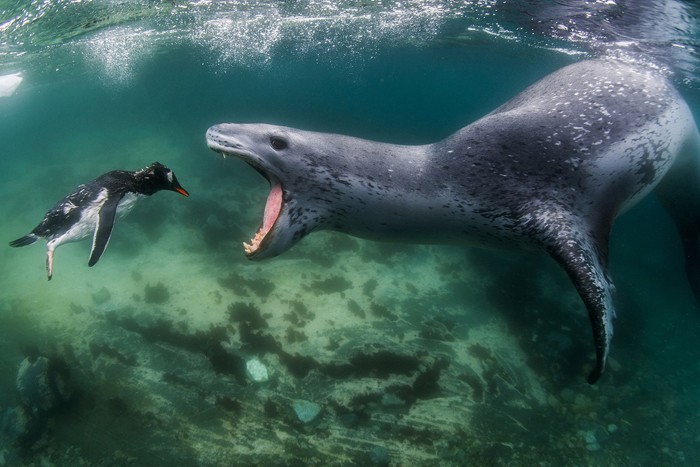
(24, 241)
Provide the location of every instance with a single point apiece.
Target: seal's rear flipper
(691, 245)
(583, 255)
(679, 192)
(689, 231)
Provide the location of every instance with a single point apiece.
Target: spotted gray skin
(551, 168)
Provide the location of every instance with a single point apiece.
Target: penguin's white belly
(86, 225)
(90, 215)
(127, 203)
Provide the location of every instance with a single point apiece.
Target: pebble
(256, 371)
(306, 411)
(591, 441)
(589, 436)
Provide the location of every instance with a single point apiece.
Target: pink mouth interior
(273, 207)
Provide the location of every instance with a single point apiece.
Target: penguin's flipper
(103, 230)
(24, 241)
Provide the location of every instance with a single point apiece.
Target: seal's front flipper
(582, 252)
(585, 267)
(103, 230)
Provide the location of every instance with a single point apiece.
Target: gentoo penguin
(93, 206)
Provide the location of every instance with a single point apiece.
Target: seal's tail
(24, 241)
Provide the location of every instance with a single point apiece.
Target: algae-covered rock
(42, 384)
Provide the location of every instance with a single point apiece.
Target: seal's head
(275, 153)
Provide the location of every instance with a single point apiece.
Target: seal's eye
(278, 143)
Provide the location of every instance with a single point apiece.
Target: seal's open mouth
(273, 207)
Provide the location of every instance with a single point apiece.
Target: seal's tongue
(273, 206)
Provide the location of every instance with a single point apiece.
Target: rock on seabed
(256, 371)
(306, 411)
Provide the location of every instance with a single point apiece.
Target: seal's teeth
(254, 242)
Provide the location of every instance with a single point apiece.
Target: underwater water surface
(374, 353)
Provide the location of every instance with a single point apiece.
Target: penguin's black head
(158, 177)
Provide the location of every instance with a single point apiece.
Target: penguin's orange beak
(175, 186)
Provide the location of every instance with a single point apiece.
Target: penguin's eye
(278, 143)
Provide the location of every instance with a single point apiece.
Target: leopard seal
(551, 168)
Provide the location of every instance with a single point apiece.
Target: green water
(417, 355)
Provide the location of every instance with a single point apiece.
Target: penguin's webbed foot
(49, 263)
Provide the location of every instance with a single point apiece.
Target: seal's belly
(433, 220)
